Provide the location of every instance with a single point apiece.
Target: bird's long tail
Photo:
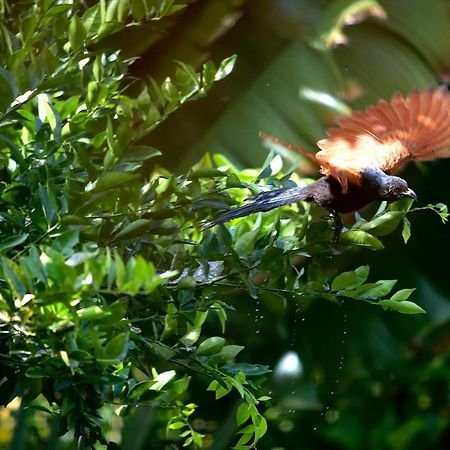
(265, 201)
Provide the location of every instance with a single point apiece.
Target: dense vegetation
(122, 323)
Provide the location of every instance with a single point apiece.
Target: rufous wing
(387, 135)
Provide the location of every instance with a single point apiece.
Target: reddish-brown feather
(387, 135)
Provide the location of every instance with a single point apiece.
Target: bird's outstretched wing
(387, 135)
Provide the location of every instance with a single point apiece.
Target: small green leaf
(222, 315)
(140, 153)
(92, 313)
(349, 280)
(402, 294)
(116, 347)
(242, 414)
(209, 73)
(227, 353)
(361, 238)
(371, 291)
(27, 26)
(35, 372)
(49, 204)
(176, 425)
(140, 388)
(12, 241)
(207, 172)
(162, 379)
(406, 232)
(13, 276)
(210, 346)
(225, 68)
(246, 243)
(247, 369)
(111, 180)
(381, 225)
(77, 33)
(16, 194)
(137, 8)
(233, 181)
(133, 229)
(404, 307)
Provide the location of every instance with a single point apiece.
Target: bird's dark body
(327, 192)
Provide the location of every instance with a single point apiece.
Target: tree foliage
(111, 295)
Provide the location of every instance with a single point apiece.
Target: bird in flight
(360, 156)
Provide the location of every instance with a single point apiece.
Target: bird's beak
(411, 193)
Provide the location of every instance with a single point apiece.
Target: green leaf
(245, 438)
(162, 379)
(219, 390)
(117, 347)
(137, 8)
(27, 26)
(225, 68)
(404, 307)
(381, 225)
(92, 313)
(242, 414)
(247, 369)
(246, 242)
(361, 238)
(371, 291)
(140, 153)
(111, 180)
(402, 294)
(133, 229)
(12, 241)
(176, 425)
(8, 89)
(233, 181)
(207, 172)
(140, 388)
(13, 276)
(210, 346)
(49, 204)
(349, 280)
(77, 33)
(222, 315)
(35, 372)
(406, 232)
(16, 194)
(260, 428)
(227, 353)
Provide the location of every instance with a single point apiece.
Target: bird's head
(395, 188)
(386, 187)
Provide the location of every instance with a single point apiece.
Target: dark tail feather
(265, 201)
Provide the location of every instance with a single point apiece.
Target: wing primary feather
(387, 135)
